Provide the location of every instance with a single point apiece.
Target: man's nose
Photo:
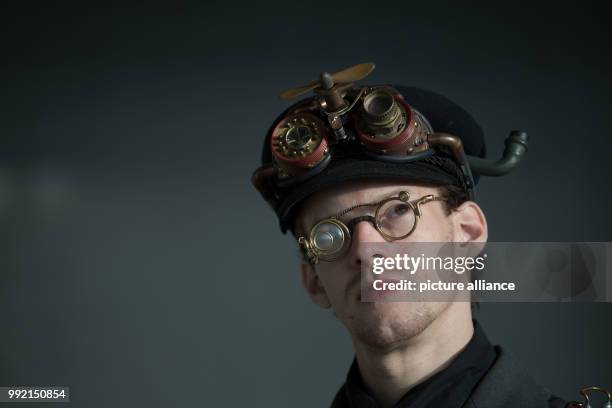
(364, 238)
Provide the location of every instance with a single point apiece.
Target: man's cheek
(333, 290)
(434, 229)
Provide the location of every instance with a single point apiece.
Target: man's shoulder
(507, 385)
(340, 399)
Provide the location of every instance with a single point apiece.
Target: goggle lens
(396, 218)
(329, 237)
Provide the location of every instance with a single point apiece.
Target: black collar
(449, 388)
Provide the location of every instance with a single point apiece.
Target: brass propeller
(351, 74)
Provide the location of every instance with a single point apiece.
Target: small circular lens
(298, 137)
(379, 104)
(380, 108)
(329, 237)
(324, 241)
(396, 218)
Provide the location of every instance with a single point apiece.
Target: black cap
(350, 163)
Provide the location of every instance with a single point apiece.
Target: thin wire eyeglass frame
(313, 254)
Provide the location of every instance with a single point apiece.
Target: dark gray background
(138, 265)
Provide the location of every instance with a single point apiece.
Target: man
(407, 354)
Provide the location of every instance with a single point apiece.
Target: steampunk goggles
(376, 120)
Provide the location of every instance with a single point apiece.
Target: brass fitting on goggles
(329, 240)
(299, 142)
(586, 394)
(387, 125)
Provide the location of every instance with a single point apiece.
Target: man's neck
(390, 374)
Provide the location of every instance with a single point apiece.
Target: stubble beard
(392, 325)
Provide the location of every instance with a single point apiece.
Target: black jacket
(481, 376)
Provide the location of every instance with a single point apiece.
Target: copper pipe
(445, 139)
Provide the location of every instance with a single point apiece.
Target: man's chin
(389, 325)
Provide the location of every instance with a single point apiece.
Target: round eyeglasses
(395, 218)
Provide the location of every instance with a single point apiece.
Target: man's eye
(396, 211)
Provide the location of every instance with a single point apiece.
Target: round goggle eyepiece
(299, 142)
(329, 238)
(380, 108)
(299, 136)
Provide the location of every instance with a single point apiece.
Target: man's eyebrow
(372, 203)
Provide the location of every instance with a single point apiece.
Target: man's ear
(470, 223)
(312, 284)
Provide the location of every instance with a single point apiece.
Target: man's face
(336, 284)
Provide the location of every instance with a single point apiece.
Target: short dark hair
(453, 196)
